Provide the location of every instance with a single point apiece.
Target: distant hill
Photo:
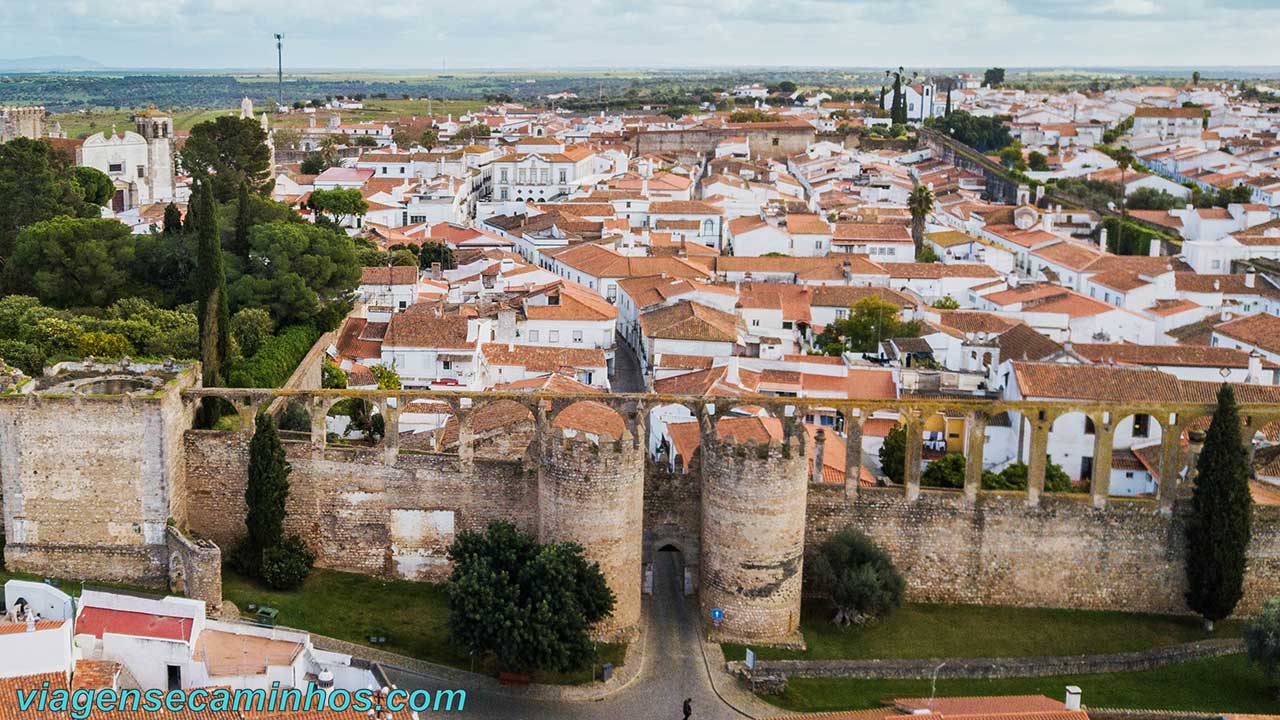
(48, 63)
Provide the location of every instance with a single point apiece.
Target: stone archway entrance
(669, 566)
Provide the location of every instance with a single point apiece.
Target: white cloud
(559, 33)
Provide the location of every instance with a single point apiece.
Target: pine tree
(1219, 527)
(267, 488)
(240, 243)
(211, 290)
(172, 219)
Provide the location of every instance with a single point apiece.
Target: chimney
(506, 325)
(731, 374)
(1250, 277)
(1073, 698)
(1255, 368)
(1039, 193)
(1226, 315)
(1191, 208)
(1154, 248)
(1102, 239)
(31, 619)
(437, 271)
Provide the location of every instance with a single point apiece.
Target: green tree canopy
(1219, 528)
(920, 204)
(211, 290)
(95, 186)
(68, 261)
(37, 183)
(295, 270)
(870, 320)
(984, 134)
(856, 576)
(230, 150)
(529, 606)
(993, 77)
(338, 204)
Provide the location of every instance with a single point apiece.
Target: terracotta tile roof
(690, 321)
(686, 438)
(602, 262)
(847, 232)
(806, 224)
(857, 264)
(576, 303)
(97, 620)
(418, 326)
(926, 271)
(980, 704)
(792, 300)
(746, 224)
(654, 289)
(742, 430)
(1120, 280)
(538, 358)
(589, 416)
(556, 382)
(1225, 284)
(1171, 355)
(843, 296)
(709, 382)
(1095, 382)
(14, 628)
(395, 275)
(691, 362)
(1261, 330)
(1070, 255)
(683, 207)
(355, 343)
(1165, 308)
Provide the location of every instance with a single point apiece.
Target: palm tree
(329, 150)
(920, 202)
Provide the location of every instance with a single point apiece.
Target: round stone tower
(753, 515)
(591, 491)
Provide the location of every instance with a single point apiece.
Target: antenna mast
(279, 71)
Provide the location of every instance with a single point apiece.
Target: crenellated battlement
(94, 473)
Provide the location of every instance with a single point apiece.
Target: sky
(424, 34)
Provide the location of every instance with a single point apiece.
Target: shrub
(946, 472)
(857, 577)
(103, 345)
(287, 565)
(26, 357)
(276, 360)
(333, 377)
(251, 327)
(295, 418)
(1262, 642)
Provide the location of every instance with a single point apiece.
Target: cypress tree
(172, 219)
(1219, 527)
(211, 289)
(240, 244)
(267, 487)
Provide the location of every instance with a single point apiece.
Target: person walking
(688, 708)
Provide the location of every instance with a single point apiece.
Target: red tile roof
(95, 621)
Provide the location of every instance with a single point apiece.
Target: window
(142, 171)
(817, 244)
(786, 324)
(612, 294)
(775, 141)
(545, 175)
(446, 364)
(533, 336)
(502, 193)
(841, 314)
(564, 176)
(755, 323)
(523, 176)
(1088, 426)
(553, 336)
(115, 167)
(502, 175)
(1141, 426)
(577, 336)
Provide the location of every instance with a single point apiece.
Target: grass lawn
(82, 124)
(1225, 684)
(943, 631)
(73, 587)
(411, 615)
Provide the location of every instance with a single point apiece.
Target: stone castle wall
(1064, 553)
(356, 512)
(91, 482)
(594, 495)
(766, 140)
(753, 507)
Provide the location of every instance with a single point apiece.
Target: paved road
(673, 670)
(626, 368)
